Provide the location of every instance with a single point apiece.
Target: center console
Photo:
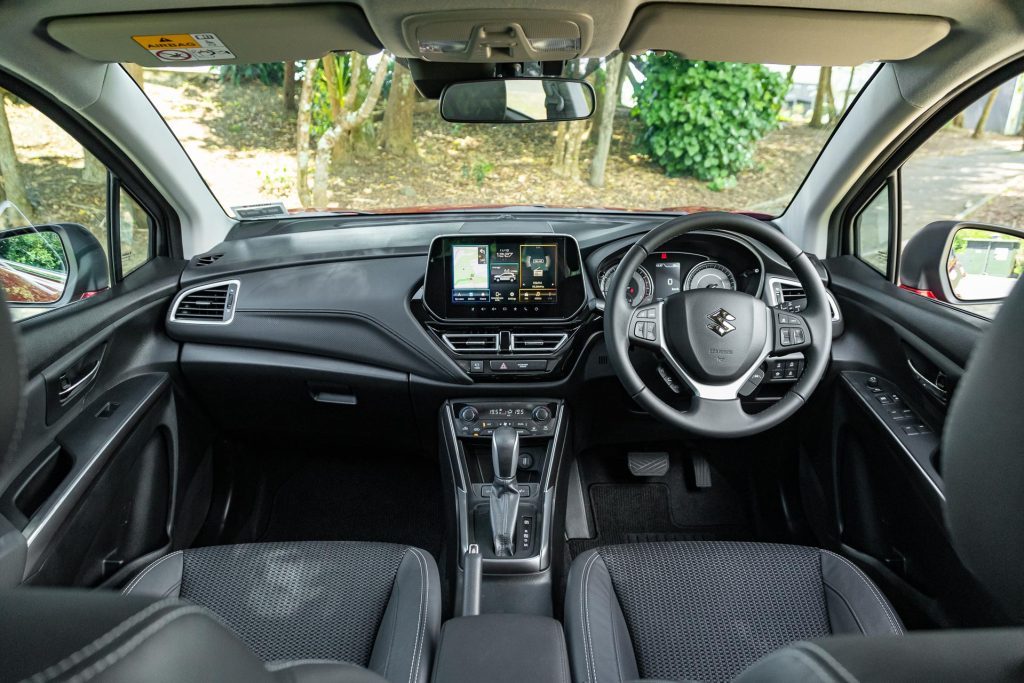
(506, 307)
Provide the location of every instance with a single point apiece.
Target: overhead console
(505, 305)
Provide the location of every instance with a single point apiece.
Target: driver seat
(705, 611)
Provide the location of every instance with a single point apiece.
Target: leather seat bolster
(160, 578)
(600, 648)
(855, 605)
(168, 640)
(321, 671)
(991, 655)
(408, 633)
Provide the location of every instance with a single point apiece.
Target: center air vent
(537, 342)
(471, 343)
(207, 260)
(212, 304)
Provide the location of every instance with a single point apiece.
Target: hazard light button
(512, 365)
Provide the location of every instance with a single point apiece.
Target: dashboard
(451, 300)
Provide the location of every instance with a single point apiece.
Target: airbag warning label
(185, 47)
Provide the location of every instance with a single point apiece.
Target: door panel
(880, 476)
(95, 483)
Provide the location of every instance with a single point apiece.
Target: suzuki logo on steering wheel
(722, 320)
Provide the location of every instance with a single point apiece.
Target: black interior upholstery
(982, 462)
(12, 376)
(707, 610)
(375, 605)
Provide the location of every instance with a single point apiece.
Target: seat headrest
(983, 459)
(11, 381)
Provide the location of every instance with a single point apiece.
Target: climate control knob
(469, 414)
(541, 414)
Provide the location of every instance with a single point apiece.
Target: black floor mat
(637, 513)
(374, 498)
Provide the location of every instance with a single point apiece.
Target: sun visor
(217, 36)
(772, 35)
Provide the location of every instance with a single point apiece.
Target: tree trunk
(136, 72)
(303, 122)
(830, 98)
(341, 128)
(93, 171)
(398, 114)
(10, 175)
(849, 89)
(289, 87)
(607, 121)
(330, 63)
(824, 75)
(958, 120)
(979, 129)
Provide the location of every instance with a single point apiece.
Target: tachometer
(639, 291)
(710, 275)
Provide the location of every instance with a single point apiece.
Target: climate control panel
(479, 419)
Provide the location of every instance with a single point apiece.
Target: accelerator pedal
(648, 464)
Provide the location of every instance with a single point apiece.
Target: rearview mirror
(517, 100)
(966, 262)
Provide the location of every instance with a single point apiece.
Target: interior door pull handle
(72, 390)
(938, 388)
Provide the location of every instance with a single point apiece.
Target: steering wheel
(716, 339)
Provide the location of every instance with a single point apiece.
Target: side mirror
(49, 266)
(517, 100)
(962, 262)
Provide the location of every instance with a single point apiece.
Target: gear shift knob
(505, 452)
(504, 503)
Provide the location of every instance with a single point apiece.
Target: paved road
(945, 187)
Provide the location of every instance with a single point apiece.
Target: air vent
(471, 343)
(212, 304)
(791, 293)
(537, 342)
(207, 260)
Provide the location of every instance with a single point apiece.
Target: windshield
(352, 133)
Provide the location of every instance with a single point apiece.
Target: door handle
(69, 392)
(938, 388)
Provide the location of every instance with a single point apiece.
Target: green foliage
(703, 119)
(38, 249)
(478, 171)
(321, 108)
(267, 73)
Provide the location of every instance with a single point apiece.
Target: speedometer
(710, 275)
(639, 291)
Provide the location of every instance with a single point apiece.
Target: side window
(135, 229)
(872, 230)
(971, 173)
(972, 169)
(56, 241)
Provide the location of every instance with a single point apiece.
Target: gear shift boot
(504, 503)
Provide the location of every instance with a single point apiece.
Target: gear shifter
(505, 499)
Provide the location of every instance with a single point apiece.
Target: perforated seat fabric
(705, 611)
(376, 605)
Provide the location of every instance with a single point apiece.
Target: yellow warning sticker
(185, 47)
(170, 42)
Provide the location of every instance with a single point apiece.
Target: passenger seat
(375, 605)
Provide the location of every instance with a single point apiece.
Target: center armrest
(501, 648)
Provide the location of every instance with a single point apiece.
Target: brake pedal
(701, 471)
(648, 464)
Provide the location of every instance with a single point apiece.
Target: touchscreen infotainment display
(503, 273)
(497, 276)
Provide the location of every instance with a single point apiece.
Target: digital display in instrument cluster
(505, 273)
